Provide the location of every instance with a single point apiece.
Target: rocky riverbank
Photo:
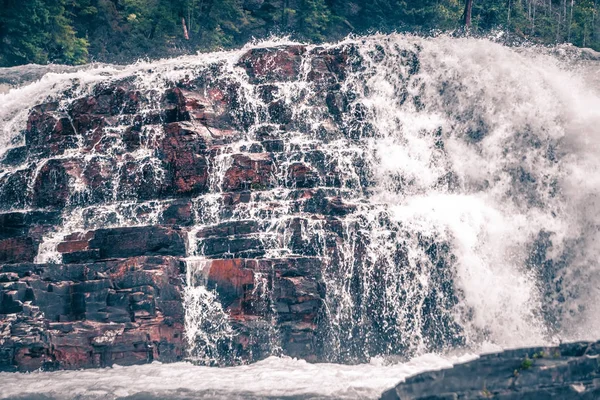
(568, 371)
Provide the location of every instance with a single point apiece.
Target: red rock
(76, 241)
(249, 171)
(178, 213)
(91, 127)
(17, 250)
(302, 176)
(273, 64)
(208, 108)
(183, 151)
(150, 332)
(329, 66)
(230, 279)
(123, 243)
(49, 131)
(113, 100)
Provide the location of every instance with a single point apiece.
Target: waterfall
(445, 187)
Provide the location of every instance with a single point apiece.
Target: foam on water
(272, 378)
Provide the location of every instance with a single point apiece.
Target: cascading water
(466, 172)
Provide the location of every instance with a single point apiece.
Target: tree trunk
(533, 20)
(593, 32)
(570, 21)
(185, 31)
(467, 13)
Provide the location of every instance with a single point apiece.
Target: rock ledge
(568, 371)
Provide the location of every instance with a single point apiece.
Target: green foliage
(38, 31)
(556, 354)
(313, 19)
(78, 31)
(527, 363)
(541, 354)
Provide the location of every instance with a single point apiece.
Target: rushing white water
(272, 378)
(474, 171)
(208, 331)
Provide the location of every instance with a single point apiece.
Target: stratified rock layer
(248, 177)
(569, 371)
(116, 184)
(123, 311)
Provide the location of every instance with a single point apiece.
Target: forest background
(122, 31)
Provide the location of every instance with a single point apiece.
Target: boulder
(568, 371)
(273, 64)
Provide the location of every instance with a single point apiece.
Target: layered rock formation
(568, 371)
(121, 186)
(327, 203)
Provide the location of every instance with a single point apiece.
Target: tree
(38, 31)
(467, 13)
(65, 31)
(313, 19)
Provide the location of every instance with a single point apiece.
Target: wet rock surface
(568, 371)
(66, 316)
(129, 194)
(116, 187)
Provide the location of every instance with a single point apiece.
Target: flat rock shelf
(569, 371)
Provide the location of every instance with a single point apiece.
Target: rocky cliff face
(126, 197)
(387, 195)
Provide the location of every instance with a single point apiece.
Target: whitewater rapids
(272, 378)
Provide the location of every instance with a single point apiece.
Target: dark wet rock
(14, 224)
(12, 195)
(302, 176)
(91, 315)
(297, 294)
(15, 156)
(122, 243)
(280, 112)
(273, 64)
(568, 371)
(252, 171)
(144, 172)
(178, 213)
